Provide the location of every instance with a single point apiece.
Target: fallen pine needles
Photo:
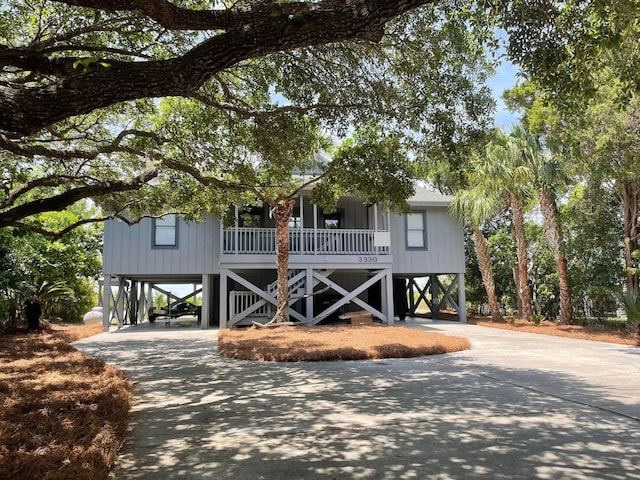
(334, 342)
(63, 414)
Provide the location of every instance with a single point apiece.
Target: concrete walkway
(516, 406)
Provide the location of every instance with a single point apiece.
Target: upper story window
(416, 230)
(165, 231)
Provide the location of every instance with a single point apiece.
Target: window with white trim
(165, 231)
(416, 230)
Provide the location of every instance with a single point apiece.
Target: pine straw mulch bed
(334, 342)
(593, 333)
(63, 414)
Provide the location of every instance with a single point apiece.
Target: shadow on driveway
(504, 410)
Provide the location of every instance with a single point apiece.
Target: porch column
(315, 229)
(224, 298)
(309, 293)
(142, 304)
(301, 200)
(205, 312)
(132, 308)
(462, 307)
(221, 235)
(375, 217)
(236, 233)
(388, 301)
(412, 298)
(106, 303)
(375, 228)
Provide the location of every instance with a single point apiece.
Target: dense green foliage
(223, 101)
(60, 274)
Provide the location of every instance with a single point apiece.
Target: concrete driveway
(516, 406)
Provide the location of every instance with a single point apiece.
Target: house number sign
(367, 259)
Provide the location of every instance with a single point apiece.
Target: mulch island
(63, 415)
(334, 342)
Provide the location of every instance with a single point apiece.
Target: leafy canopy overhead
(564, 45)
(72, 57)
(213, 86)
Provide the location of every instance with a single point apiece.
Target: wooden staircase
(247, 307)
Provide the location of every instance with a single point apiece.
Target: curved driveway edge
(515, 406)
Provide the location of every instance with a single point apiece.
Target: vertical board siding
(128, 250)
(355, 213)
(445, 245)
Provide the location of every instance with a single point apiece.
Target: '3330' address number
(367, 259)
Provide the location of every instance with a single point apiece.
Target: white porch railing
(244, 240)
(240, 301)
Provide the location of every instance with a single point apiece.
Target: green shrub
(630, 301)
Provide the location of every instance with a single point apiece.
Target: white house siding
(128, 250)
(445, 245)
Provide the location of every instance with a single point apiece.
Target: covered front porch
(352, 229)
(316, 241)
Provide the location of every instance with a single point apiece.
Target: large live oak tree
(240, 33)
(80, 83)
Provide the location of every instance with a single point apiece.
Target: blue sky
(504, 78)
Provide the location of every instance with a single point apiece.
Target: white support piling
(462, 306)
(106, 303)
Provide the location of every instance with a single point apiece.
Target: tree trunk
(521, 252)
(629, 192)
(33, 311)
(516, 282)
(484, 262)
(282, 215)
(554, 237)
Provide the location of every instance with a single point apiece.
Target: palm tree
(548, 175)
(504, 172)
(44, 297)
(477, 206)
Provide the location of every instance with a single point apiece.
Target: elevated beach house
(356, 258)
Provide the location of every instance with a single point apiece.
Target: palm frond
(630, 300)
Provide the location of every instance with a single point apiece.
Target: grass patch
(63, 414)
(334, 342)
